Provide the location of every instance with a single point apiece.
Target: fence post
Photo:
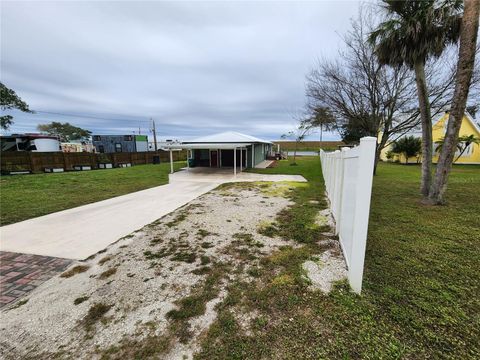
(362, 210)
(339, 200)
(32, 164)
(64, 161)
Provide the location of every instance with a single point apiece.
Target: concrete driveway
(82, 231)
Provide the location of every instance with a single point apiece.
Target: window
(468, 151)
(101, 149)
(118, 147)
(128, 138)
(97, 138)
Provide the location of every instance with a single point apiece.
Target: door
(214, 158)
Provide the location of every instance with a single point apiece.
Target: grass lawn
(421, 286)
(27, 196)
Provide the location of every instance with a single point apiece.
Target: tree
(462, 145)
(320, 117)
(465, 67)
(363, 97)
(298, 134)
(64, 131)
(416, 30)
(10, 100)
(408, 146)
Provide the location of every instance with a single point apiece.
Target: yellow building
(470, 156)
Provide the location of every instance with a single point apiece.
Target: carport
(228, 149)
(219, 154)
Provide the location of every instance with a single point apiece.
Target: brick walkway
(21, 273)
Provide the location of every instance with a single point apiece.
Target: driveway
(82, 231)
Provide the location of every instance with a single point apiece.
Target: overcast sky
(195, 67)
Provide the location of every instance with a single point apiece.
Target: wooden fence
(36, 162)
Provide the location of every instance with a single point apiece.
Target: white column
(235, 161)
(171, 162)
(188, 158)
(241, 159)
(253, 156)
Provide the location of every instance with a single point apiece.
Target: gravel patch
(324, 272)
(148, 272)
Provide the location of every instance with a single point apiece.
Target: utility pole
(154, 130)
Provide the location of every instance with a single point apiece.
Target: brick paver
(21, 273)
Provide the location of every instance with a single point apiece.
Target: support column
(171, 162)
(253, 156)
(188, 158)
(241, 159)
(235, 161)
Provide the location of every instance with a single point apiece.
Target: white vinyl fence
(348, 178)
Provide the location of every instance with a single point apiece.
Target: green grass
(27, 196)
(421, 287)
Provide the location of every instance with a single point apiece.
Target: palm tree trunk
(426, 119)
(466, 60)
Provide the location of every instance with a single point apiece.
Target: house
(471, 155)
(30, 142)
(77, 146)
(226, 149)
(120, 143)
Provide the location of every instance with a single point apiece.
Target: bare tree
(301, 130)
(369, 99)
(360, 93)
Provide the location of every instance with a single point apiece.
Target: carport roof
(228, 137)
(223, 146)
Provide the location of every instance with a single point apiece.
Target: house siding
(260, 153)
(438, 132)
(108, 142)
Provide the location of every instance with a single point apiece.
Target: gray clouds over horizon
(195, 67)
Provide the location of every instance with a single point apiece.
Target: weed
(107, 273)
(204, 260)
(247, 239)
(95, 313)
(104, 259)
(201, 270)
(202, 233)
(157, 255)
(268, 228)
(178, 219)
(80, 300)
(188, 257)
(74, 270)
(206, 245)
(195, 304)
(20, 303)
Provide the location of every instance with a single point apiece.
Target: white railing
(348, 178)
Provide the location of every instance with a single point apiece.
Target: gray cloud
(196, 67)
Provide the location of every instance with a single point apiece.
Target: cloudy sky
(195, 67)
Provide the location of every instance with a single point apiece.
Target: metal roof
(224, 146)
(227, 137)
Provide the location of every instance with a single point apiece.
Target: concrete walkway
(82, 231)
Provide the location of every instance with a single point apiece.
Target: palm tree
(465, 64)
(414, 31)
(408, 146)
(463, 143)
